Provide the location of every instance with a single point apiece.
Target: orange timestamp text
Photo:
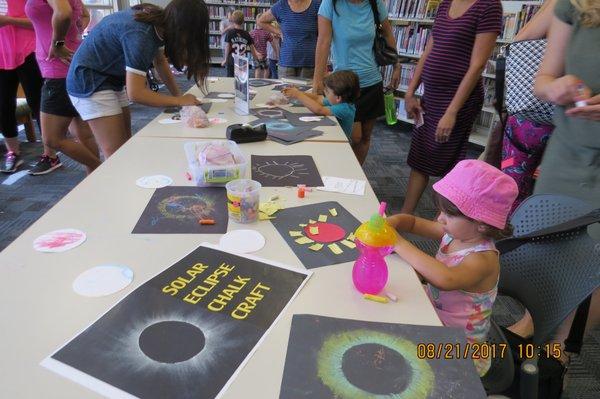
(454, 350)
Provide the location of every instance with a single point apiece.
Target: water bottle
(390, 107)
(375, 240)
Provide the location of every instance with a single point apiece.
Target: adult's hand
(444, 127)
(63, 53)
(567, 90)
(395, 77)
(591, 111)
(412, 106)
(189, 99)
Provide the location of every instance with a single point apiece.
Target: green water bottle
(390, 107)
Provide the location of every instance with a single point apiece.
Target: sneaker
(45, 165)
(12, 162)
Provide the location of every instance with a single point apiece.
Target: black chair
(551, 273)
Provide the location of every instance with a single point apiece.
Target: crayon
(376, 298)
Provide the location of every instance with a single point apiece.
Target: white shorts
(101, 103)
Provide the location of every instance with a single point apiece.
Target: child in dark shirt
(238, 42)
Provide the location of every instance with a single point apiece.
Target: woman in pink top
(57, 25)
(17, 65)
(474, 200)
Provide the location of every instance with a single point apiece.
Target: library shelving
(412, 22)
(217, 10)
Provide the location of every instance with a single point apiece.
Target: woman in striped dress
(463, 38)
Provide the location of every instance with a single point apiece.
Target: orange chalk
(206, 221)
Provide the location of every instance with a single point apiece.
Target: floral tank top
(470, 311)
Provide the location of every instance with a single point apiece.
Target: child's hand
(290, 92)
(567, 90)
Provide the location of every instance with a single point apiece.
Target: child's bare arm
(314, 105)
(256, 54)
(469, 273)
(416, 225)
(227, 52)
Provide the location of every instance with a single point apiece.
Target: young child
(273, 55)
(261, 38)
(474, 200)
(238, 42)
(341, 89)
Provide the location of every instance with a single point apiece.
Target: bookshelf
(217, 10)
(412, 22)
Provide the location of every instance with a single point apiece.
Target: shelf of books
(412, 25)
(217, 11)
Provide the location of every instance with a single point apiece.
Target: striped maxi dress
(444, 69)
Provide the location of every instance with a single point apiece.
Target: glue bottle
(375, 240)
(390, 107)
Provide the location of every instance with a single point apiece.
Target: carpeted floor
(27, 199)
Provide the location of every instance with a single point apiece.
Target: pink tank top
(40, 14)
(470, 311)
(16, 43)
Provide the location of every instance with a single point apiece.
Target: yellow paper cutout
(316, 247)
(314, 230)
(302, 225)
(333, 212)
(350, 237)
(322, 218)
(304, 240)
(349, 244)
(310, 221)
(335, 249)
(295, 233)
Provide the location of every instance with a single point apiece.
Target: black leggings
(28, 74)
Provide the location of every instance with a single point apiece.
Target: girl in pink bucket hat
(474, 200)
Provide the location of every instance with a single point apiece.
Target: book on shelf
(412, 38)
(221, 11)
(417, 9)
(512, 22)
(407, 70)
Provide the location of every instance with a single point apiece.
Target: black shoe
(12, 162)
(45, 165)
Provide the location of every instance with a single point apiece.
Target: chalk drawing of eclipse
(278, 171)
(279, 125)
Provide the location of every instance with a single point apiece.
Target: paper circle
(213, 100)
(263, 105)
(155, 181)
(59, 240)
(226, 95)
(242, 241)
(102, 280)
(217, 120)
(169, 121)
(310, 118)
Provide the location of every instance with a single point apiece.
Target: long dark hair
(185, 26)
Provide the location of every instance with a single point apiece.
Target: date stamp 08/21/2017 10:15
(485, 350)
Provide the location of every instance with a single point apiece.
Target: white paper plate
(242, 241)
(103, 280)
(155, 181)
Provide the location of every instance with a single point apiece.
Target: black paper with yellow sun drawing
(285, 170)
(319, 234)
(178, 210)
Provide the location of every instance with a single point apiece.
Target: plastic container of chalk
(228, 162)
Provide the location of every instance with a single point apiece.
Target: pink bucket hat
(480, 191)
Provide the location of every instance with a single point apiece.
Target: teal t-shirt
(344, 113)
(353, 36)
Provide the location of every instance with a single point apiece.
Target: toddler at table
(474, 200)
(341, 89)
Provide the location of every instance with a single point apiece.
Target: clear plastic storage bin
(215, 175)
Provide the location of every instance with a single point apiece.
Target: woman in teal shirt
(347, 27)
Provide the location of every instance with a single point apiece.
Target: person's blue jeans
(273, 68)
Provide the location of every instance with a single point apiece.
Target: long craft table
(226, 110)
(40, 311)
